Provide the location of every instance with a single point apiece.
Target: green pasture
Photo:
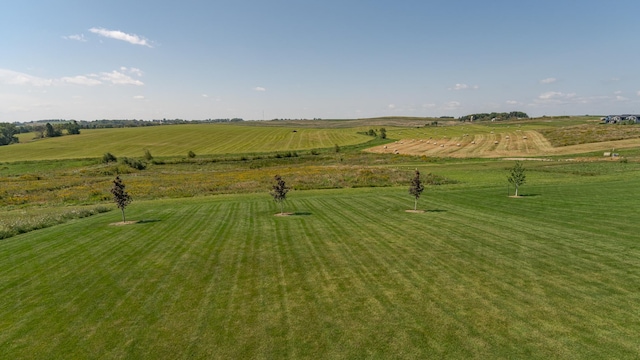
(350, 275)
(178, 140)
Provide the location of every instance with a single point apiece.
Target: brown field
(529, 143)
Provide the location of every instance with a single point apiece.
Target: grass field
(350, 275)
(178, 140)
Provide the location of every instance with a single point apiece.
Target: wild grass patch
(16, 222)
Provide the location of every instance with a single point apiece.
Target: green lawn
(351, 275)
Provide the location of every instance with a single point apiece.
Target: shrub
(147, 155)
(109, 157)
(191, 154)
(134, 163)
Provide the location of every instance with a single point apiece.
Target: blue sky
(252, 59)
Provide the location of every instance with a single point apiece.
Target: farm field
(519, 139)
(178, 140)
(350, 275)
(208, 271)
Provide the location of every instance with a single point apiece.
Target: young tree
(416, 188)
(517, 176)
(279, 192)
(383, 133)
(120, 196)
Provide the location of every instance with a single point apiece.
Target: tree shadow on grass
(147, 221)
(425, 211)
(302, 213)
(524, 195)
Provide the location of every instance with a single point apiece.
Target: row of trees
(382, 133)
(495, 116)
(280, 189)
(57, 129)
(116, 123)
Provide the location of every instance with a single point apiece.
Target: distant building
(614, 119)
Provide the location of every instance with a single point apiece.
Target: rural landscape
(204, 268)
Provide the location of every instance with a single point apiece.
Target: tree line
(59, 127)
(495, 116)
(120, 123)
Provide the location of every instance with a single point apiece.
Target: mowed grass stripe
(351, 275)
(585, 260)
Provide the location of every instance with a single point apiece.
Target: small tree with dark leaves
(416, 188)
(120, 196)
(517, 176)
(279, 192)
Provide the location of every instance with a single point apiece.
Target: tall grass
(17, 222)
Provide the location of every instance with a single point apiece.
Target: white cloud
(451, 105)
(10, 77)
(80, 80)
(555, 95)
(139, 97)
(621, 98)
(77, 37)
(391, 106)
(464, 87)
(119, 35)
(118, 78)
(134, 71)
(638, 93)
(259, 88)
(429, 106)
(512, 102)
(550, 80)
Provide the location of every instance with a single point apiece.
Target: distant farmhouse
(624, 119)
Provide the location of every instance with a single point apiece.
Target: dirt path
(495, 145)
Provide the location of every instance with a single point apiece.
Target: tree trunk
(516, 190)
(415, 204)
(123, 218)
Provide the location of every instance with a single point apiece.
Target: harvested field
(496, 145)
